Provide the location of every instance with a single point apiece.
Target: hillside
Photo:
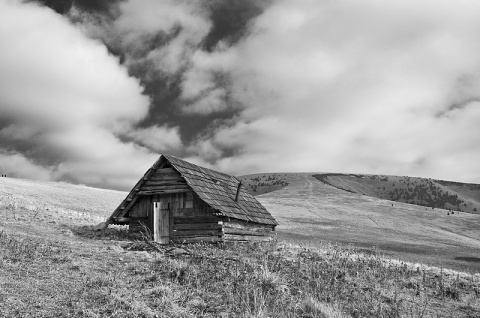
(52, 264)
(312, 211)
(431, 193)
(57, 200)
(455, 196)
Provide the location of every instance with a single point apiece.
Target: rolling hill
(57, 201)
(454, 196)
(450, 195)
(309, 210)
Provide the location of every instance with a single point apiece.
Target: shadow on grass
(109, 233)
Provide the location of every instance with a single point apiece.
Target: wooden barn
(176, 201)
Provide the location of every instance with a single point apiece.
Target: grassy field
(309, 210)
(75, 272)
(57, 201)
(52, 264)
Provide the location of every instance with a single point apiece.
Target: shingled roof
(216, 189)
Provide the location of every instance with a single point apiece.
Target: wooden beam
(163, 188)
(211, 239)
(130, 204)
(246, 238)
(246, 232)
(166, 171)
(192, 233)
(196, 226)
(169, 177)
(149, 183)
(248, 226)
(148, 192)
(187, 220)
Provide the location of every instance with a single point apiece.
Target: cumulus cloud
(157, 138)
(65, 102)
(360, 87)
(373, 87)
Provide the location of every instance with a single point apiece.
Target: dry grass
(94, 278)
(57, 200)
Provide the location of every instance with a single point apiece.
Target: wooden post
(156, 218)
(238, 190)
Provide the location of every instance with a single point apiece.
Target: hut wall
(191, 219)
(194, 221)
(236, 230)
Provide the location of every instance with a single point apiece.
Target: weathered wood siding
(191, 219)
(236, 230)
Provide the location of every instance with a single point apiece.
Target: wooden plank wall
(235, 230)
(194, 221)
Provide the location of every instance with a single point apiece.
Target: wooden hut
(176, 201)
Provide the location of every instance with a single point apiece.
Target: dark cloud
(104, 7)
(231, 19)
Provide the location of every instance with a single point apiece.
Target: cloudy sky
(91, 92)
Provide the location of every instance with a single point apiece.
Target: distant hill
(431, 193)
(261, 183)
(449, 195)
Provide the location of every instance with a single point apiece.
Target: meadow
(53, 264)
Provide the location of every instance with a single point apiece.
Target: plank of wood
(166, 170)
(210, 239)
(191, 233)
(149, 183)
(166, 177)
(154, 192)
(196, 220)
(246, 232)
(246, 238)
(129, 205)
(196, 226)
(248, 226)
(165, 187)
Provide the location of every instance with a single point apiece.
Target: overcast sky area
(91, 92)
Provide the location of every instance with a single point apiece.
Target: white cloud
(159, 138)
(164, 34)
(68, 99)
(358, 87)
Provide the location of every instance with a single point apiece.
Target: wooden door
(161, 222)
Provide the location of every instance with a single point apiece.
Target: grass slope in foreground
(105, 274)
